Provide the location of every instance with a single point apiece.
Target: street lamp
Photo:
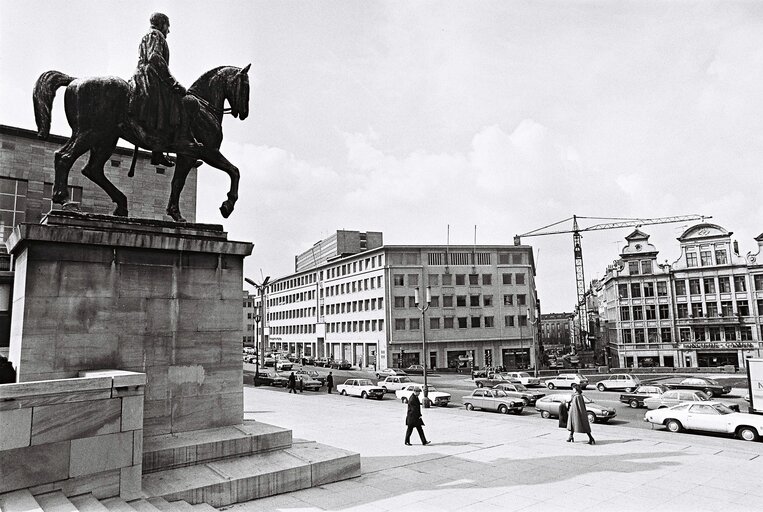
(260, 318)
(423, 308)
(257, 318)
(534, 344)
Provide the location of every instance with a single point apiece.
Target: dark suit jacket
(413, 417)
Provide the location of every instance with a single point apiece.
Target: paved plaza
(486, 461)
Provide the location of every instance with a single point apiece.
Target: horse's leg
(99, 155)
(216, 159)
(182, 168)
(65, 157)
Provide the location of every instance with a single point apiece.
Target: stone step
(235, 480)
(172, 451)
(161, 504)
(204, 507)
(88, 503)
(143, 505)
(55, 502)
(117, 504)
(19, 501)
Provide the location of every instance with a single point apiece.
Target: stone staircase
(23, 501)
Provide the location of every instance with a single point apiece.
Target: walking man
(292, 383)
(330, 382)
(413, 418)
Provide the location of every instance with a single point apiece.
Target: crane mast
(580, 284)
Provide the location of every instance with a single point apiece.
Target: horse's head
(237, 93)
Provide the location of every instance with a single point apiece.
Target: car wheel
(364, 395)
(404, 400)
(591, 417)
(550, 385)
(633, 403)
(674, 425)
(526, 401)
(377, 376)
(479, 384)
(709, 392)
(385, 389)
(747, 433)
(545, 415)
(343, 393)
(469, 407)
(503, 409)
(601, 387)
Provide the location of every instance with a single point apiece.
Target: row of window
(648, 312)
(338, 271)
(474, 301)
(646, 289)
(706, 258)
(291, 298)
(352, 307)
(369, 283)
(461, 322)
(711, 309)
(687, 334)
(356, 326)
(709, 285)
(292, 313)
(293, 329)
(460, 279)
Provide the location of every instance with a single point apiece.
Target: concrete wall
(76, 435)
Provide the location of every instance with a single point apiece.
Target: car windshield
(499, 393)
(364, 382)
(520, 387)
(722, 408)
(405, 379)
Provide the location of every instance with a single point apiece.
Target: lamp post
(423, 308)
(260, 319)
(534, 344)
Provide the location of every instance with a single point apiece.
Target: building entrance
(715, 359)
(515, 358)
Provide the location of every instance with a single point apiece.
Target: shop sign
(718, 345)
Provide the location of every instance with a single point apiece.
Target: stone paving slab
(484, 461)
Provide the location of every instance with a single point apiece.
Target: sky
(415, 117)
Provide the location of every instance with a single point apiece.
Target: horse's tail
(44, 93)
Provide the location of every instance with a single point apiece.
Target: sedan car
(389, 372)
(492, 380)
(710, 387)
(548, 406)
(566, 380)
(619, 381)
(636, 398)
(415, 369)
(271, 379)
(673, 397)
(708, 417)
(342, 364)
(363, 388)
(307, 382)
(524, 378)
(284, 365)
(519, 391)
(436, 397)
(312, 374)
(391, 384)
(493, 400)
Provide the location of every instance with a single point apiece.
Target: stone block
(101, 453)
(15, 428)
(198, 412)
(208, 379)
(146, 281)
(157, 387)
(35, 401)
(137, 447)
(209, 315)
(119, 378)
(52, 423)
(53, 387)
(101, 485)
(33, 465)
(132, 413)
(91, 280)
(130, 483)
(156, 417)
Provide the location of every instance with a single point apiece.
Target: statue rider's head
(161, 23)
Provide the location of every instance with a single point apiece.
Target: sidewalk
(481, 461)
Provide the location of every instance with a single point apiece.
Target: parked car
(493, 400)
(566, 380)
(436, 397)
(308, 382)
(673, 397)
(341, 364)
(270, 379)
(516, 390)
(548, 406)
(313, 374)
(708, 417)
(415, 369)
(391, 384)
(636, 398)
(524, 378)
(619, 381)
(322, 361)
(269, 361)
(389, 372)
(363, 388)
(709, 386)
(284, 365)
(492, 379)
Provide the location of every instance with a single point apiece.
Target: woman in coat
(577, 418)
(413, 418)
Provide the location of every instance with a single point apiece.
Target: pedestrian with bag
(292, 383)
(330, 382)
(413, 418)
(577, 420)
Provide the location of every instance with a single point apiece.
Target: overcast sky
(408, 116)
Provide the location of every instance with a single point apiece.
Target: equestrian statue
(151, 111)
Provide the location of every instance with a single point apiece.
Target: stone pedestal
(160, 298)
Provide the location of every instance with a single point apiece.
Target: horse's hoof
(175, 214)
(226, 209)
(59, 198)
(120, 211)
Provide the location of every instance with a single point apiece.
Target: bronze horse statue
(97, 110)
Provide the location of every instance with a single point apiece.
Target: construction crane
(614, 223)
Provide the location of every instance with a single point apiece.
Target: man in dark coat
(159, 102)
(577, 418)
(413, 418)
(330, 382)
(292, 383)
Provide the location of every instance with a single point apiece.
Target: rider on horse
(159, 103)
